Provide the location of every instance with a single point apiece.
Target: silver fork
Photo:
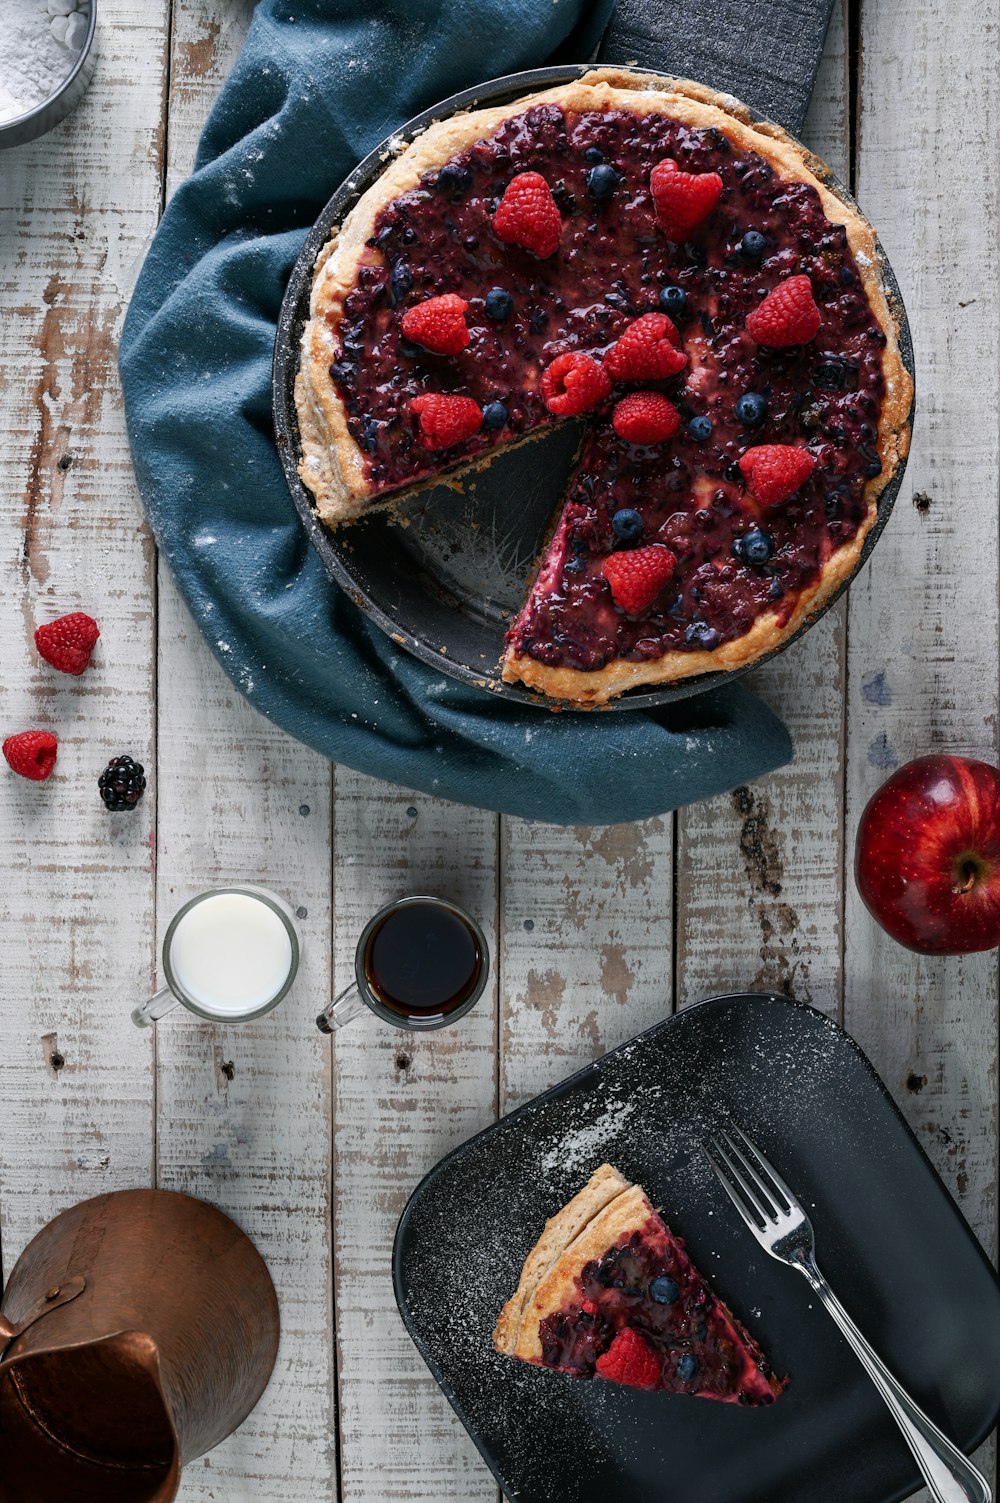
(783, 1229)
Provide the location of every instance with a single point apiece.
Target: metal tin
(441, 587)
(67, 96)
(138, 1330)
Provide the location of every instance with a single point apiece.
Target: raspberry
(68, 642)
(31, 754)
(438, 323)
(630, 1360)
(527, 215)
(638, 575)
(444, 420)
(574, 383)
(682, 199)
(645, 417)
(647, 351)
(788, 315)
(773, 472)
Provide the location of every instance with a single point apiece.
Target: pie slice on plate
(639, 254)
(609, 1292)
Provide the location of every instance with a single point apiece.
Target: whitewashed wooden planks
(76, 882)
(923, 643)
(580, 921)
(243, 1114)
(587, 944)
(402, 1102)
(760, 870)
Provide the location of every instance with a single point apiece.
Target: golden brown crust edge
(332, 465)
(625, 1212)
(604, 1185)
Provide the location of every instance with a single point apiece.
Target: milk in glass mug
(229, 954)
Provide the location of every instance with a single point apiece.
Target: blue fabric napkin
(318, 84)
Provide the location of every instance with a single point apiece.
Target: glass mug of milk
(230, 954)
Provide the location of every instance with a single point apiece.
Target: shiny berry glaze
(614, 1291)
(611, 265)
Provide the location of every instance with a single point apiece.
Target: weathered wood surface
(924, 677)
(595, 933)
(760, 870)
(76, 889)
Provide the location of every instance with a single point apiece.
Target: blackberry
(122, 783)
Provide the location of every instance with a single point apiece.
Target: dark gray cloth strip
(766, 52)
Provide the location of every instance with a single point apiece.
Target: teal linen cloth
(317, 85)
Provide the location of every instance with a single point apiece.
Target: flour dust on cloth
(319, 83)
(40, 41)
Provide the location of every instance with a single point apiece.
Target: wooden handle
(766, 52)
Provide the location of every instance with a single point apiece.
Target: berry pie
(636, 255)
(609, 1292)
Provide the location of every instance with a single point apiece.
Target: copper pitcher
(137, 1331)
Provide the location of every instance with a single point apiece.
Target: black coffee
(422, 961)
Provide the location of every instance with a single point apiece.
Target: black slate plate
(890, 1240)
(446, 585)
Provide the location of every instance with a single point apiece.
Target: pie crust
(333, 465)
(608, 1216)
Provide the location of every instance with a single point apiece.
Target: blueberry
(687, 1368)
(593, 154)
(830, 375)
(776, 590)
(401, 280)
(753, 245)
(494, 415)
(700, 634)
(575, 565)
(757, 546)
(627, 525)
(453, 179)
(751, 409)
(498, 304)
(673, 300)
(602, 180)
(664, 1290)
(700, 428)
(369, 432)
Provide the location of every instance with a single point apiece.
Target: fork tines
(753, 1185)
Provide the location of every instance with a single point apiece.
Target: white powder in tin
(40, 41)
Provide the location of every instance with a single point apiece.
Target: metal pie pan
(445, 574)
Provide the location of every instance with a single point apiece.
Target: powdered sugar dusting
(579, 1149)
(779, 1071)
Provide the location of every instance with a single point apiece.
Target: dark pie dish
(889, 1236)
(446, 582)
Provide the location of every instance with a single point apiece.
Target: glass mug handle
(156, 1007)
(345, 1007)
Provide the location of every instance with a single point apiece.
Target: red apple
(927, 856)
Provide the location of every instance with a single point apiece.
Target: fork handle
(949, 1475)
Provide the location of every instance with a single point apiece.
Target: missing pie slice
(609, 1292)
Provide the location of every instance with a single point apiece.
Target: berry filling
(615, 264)
(645, 1317)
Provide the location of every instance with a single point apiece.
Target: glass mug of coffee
(420, 963)
(230, 954)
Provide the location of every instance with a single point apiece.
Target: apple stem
(968, 875)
